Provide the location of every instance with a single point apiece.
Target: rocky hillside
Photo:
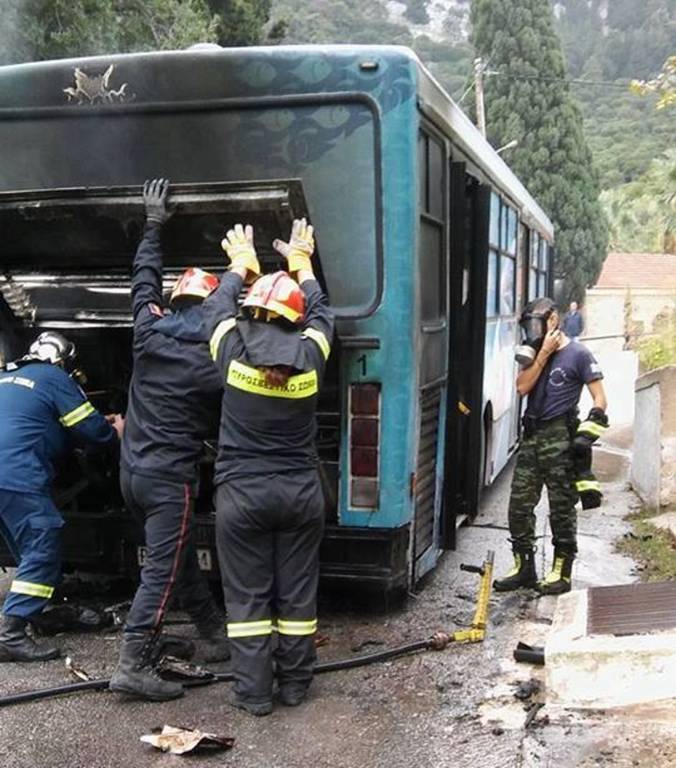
(607, 42)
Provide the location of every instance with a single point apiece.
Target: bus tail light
(364, 445)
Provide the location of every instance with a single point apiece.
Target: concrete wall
(612, 314)
(620, 370)
(653, 467)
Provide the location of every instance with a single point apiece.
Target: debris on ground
(76, 671)
(359, 646)
(184, 672)
(70, 617)
(526, 688)
(532, 714)
(180, 741)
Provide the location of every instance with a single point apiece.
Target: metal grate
(426, 475)
(632, 609)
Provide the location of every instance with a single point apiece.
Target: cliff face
(618, 39)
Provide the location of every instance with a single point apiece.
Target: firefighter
(174, 401)
(42, 412)
(554, 371)
(269, 500)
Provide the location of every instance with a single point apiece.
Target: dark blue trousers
(268, 532)
(171, 567)
(31, 526)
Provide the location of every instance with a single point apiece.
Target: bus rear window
(329, 148)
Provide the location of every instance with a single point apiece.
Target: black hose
(529, 654)
(221, 677)
(46, 693)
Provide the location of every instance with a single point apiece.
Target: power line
(571, 81)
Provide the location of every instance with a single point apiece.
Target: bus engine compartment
(67, 266)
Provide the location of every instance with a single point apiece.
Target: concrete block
(666, 521)
(604, 671)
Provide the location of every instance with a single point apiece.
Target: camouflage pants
(545, 458)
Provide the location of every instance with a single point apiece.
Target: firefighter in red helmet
(269, 500)
(174, 401)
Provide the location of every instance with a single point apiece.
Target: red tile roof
(638, 270)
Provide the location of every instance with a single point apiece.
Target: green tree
(642, 214)
(48, 29)
(664, 85)
(528, 99)
(240, 21)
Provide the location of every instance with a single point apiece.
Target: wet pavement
(450, 708)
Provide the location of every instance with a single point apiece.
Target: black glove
(589, 432)
(155, 200)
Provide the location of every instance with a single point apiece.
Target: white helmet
(52, 347)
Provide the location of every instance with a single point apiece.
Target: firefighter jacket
(267, 429)
(43, 413)
(174, 393)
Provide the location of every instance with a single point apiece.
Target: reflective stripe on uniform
(591, 428)
(249, 628)
(32, 589)
(295, 627)
(77, 415)
(249, 379)
(319, 339)
(587, 485)
(221, 329)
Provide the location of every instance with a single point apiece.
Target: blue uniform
(174, 402)
(43, 413)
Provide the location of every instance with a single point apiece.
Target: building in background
(633, 301)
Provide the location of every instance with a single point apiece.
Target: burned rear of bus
(76, 148)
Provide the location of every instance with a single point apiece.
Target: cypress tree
(528, 99)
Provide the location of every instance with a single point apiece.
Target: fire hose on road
(438, 642)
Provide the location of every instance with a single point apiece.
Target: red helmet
(279, 294)
(194, 283)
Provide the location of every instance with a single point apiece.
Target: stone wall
(653, 467)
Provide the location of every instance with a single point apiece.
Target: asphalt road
(450, 708)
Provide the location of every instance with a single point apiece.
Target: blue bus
(428, 246)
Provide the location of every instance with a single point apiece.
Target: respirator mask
(533, 323)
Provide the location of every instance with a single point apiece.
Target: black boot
(213, 645)
(292, 694)
(256, 708)
(173, 645)
(522, 574)
(135, 674)
(558, 580)
(16, 645)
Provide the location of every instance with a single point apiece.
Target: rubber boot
(17, 645)
(135, 674)
(213, 645)
(558, 580)
(522, 574)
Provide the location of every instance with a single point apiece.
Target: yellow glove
(239, 246)
(298, 251)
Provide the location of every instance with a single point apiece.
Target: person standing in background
(573, 324)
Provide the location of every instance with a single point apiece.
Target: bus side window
(431, 197)
(492, 287)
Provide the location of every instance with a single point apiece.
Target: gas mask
(533, 323)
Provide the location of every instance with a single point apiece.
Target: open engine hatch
(67, 253)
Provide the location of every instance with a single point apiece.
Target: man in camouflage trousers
(555, 371)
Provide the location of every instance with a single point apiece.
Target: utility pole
(479, 93)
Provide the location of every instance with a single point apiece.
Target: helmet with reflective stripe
(52, 347)
(278, 294)
(194, 283)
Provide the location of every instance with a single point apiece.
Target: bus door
(463, 476)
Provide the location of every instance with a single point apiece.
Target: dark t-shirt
(558, 389)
